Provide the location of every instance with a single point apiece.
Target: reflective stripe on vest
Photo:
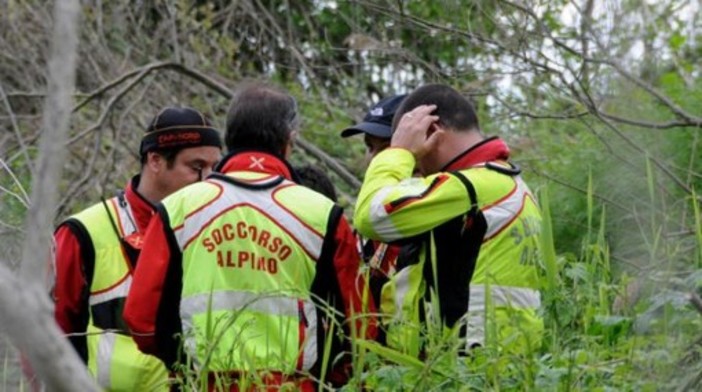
(501, 213)
(310, 240)
(241, 307)
(513, 297)
(114, 353)
(383, 223)
(118, 291)
(105, 351)
(500, 297)
(126, 217)
(273, 305)
(112, 278)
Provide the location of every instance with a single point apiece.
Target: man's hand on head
(415, 131)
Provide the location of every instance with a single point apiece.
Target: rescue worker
(376, 128)
(97, 249)
(247, 266)
(475, 221)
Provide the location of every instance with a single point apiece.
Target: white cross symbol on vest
(256, 163)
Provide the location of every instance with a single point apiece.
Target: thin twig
(26, 201)
(695, 300)
(583, 191)
(15, 127)
(223, 90)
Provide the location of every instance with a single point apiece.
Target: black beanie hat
(179, 127)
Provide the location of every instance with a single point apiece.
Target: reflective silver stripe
(119, 291)
(263, 200)
(271, 304)
(126, 217)
(309, 353)
(228, 300)
(402, 287)
(382, 224)
(501, 296)
(103, 362)
(499, 215)
(514, 297)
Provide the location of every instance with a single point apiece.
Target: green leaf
(676, 41)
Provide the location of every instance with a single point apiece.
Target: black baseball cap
(378, 120)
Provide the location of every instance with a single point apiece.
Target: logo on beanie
(376, 112)
(180, 137)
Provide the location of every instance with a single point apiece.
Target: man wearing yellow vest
(243, 275)
(97, 248)
(474, 219)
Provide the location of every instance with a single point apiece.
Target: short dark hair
(317, 180)
(262, 117)
(454, 110)
(169, 155)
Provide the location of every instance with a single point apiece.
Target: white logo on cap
(377, 112)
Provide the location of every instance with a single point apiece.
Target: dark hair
(315, 179)
(169, 155)
(454, 110)
(262, 117)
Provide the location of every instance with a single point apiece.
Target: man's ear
(155, 161)
(432, 128)
(287, 151)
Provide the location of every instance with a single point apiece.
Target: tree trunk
(24, 303)
(28, 322)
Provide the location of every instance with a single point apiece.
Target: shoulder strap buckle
(512, 170)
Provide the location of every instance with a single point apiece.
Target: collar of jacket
(256, 161)
(490, 149)
(142, 209)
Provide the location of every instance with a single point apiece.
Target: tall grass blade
(547, 245)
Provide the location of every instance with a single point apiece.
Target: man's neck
(457, 143)
(257, 161)
(147, 189)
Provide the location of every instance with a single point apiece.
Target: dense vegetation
(600, 101)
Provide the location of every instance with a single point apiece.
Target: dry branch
(695, 300)
(213, 84)
(27, 316)
(28, 322)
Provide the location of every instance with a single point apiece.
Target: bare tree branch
(647, 124)
(583, 191)
(29, 321)
(695, 300)
(24, 198)
(213, 84)
(15, 128)
(329, 161)
(110, 105)
(679, 112)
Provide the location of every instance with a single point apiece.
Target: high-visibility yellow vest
(249, 249)
(504, 296)
(113, 357)
(504, 292)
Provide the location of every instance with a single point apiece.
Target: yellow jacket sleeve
(393, 205)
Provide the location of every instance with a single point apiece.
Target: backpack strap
(472, 195)
(512, 170)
